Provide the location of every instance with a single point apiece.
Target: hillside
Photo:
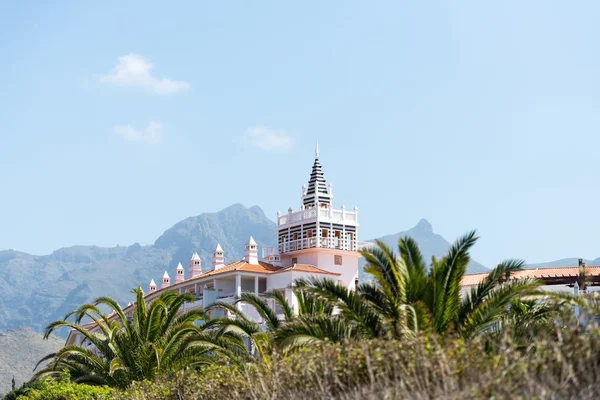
(21, 349)
(39, 289)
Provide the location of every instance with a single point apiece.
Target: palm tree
(406, 297)
(156, 339)
(274, 332)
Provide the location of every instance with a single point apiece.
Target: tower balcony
(328, 214)
(313, 243)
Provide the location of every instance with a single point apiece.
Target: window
(309, 233)
(337, 260)
(294, 260)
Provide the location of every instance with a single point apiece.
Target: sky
(119, 119)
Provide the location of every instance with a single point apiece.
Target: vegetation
(156, 339)
(411, 334)
(425, 367)
(61, 388)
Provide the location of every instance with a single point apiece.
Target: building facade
(317, 241)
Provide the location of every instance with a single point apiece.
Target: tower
(218, 258)
(152, 286)
(166, 281)
(318, 234)
(194, 266)
(317, 194)
(251, 252)
(179, 277)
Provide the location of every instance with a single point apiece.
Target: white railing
(312, 243)
(199, 303)
(324, 214)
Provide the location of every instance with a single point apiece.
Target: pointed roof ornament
(179, 266)
(251, 242)
(316, 191)
(166, 275)
(195, 257)
(152, 283)
(219, 248)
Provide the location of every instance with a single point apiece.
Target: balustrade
(323, 214)
(311, 243)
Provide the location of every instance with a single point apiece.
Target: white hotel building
(315, 241)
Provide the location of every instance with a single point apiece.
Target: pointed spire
(316, 191)
(179, 274)
(218, 259)
(152, 286)
(251, 252)
(166, 281)
(152, 283)
(194, 266)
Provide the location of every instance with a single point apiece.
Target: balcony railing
(198, 303)
(312, 243)
(323, 214)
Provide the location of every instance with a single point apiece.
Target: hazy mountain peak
(430, 243)
(423, 226)
(258, 211)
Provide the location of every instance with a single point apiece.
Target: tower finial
(317, 150)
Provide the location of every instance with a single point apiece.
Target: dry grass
(559, 366)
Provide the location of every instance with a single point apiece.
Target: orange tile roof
(538, 273)
(242, 265)
(306, 268)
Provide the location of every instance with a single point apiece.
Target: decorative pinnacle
(317, 150)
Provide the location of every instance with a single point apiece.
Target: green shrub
(64, 389)
(22, 390)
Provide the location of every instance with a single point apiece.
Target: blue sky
(119, 119)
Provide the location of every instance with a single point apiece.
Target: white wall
(279, 281)
(226, 285)
(248, 284)
(325, 260)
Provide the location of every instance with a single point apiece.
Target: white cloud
(133, 70)
(153, 133)
(269, 139)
